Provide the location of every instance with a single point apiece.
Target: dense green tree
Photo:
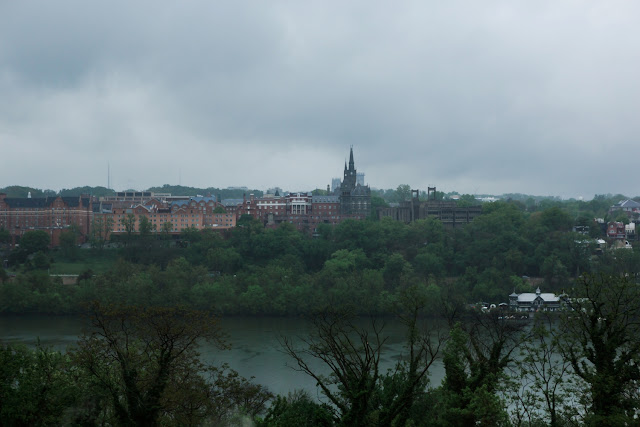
(480, 348)
(359, 393)
(467, 200)
(601, 341)
(101, 227)
(403, 192)
(94, 191)
(35, 241)
(145, 362)
(5, 236)
(145, 227)
(377, 202)
(37, 387)
(467, 395)
(298, 409)
(40, 261)
(224, 260)
(69, 244)
(129, 224)
(19, 191)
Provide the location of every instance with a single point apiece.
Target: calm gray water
(255, 346)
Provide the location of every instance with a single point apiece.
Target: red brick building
(197, 212)
(616, 230)
(50, 214)
(303, 210)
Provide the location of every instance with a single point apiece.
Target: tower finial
(351, 164)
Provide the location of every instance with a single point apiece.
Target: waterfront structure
(538, 301)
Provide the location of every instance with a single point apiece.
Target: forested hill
(222, 193)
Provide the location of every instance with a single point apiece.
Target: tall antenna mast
(108, 176)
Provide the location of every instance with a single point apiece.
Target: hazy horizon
(491, 97)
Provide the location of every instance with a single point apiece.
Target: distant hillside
(20, 191)
(94, 191)
(176, 190)
(180, 190)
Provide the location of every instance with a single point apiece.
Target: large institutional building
(349, 200)
(52, 215)
(173, 214)
(448, 212)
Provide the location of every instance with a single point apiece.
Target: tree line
(257, 271)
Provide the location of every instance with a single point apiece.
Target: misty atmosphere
(283, 213)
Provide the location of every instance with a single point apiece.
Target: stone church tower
(355, 199)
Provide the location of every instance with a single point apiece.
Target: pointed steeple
(351, 164)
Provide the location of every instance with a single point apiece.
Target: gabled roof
(196, 199)
(628, 204)
(232, 202)
(325, 199)
(360, 191)
(530, 297)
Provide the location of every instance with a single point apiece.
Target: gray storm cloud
(490, 97)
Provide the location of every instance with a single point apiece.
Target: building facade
(199, 213)
(537, 301)
(303, 210)
(415, 209)
(50, 214)
(355, 198)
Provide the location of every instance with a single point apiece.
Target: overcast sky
(537, 97)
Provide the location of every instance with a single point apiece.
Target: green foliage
(223, 193)
(69, 244)
(144, 367)
(377, 202)
(35, 241)
(360, 395)
(467, 200)
(19, 191)
(600, 341)
(36, 386)
(40, 261)
(93, 191)
(145, 227)
(5, 236)
(256, 270)
(403, 193)
(101, 227)
(297, 409)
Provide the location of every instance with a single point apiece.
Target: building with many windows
(50, 214)
(198, 213)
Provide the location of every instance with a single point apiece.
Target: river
(255, 346)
